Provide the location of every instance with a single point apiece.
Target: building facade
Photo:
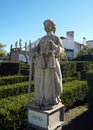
(72, 47)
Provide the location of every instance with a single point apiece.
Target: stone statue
(47, 72)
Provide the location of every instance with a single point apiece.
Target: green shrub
(9, 68)
(13, 79)
(24, 72)
(84, 58)
(83, 75)
(13, 112)
(68, 68)
(73, 91)
(12, 68)
(77, 75)
(90, 84)
(14, 89)
(82, 65)
(69, 79)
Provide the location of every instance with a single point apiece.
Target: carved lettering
(37, 117)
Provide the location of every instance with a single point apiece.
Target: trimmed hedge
(15, 89)
(73, 91)
(69, 79)
(90, 84)
(84, 58)
(68, 68)
(75, 69)
(9, 68)
(12, 68)
(13, 79)
(82, 65)
(24, 72)
(13, 112)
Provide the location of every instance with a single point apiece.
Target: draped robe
(47, 72)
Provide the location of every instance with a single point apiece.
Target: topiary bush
(13, 79)
(68, 68)
(90, 85)
(84, 58)
(13, 112)
(9, 68)
(73, 91)
(82, 65)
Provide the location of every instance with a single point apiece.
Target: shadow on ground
(82, 122)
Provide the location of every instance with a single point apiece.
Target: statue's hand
(51, 43)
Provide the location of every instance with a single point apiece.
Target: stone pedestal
(46, 119)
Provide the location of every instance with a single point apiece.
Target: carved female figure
(47, 72)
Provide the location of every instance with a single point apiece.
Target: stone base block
(46, 119)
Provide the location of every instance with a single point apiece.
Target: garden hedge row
(13, 112)
(68, 68)
(68, 79)
(13, 79)
(14, 89)
(90, 84)
(9, 68)
(12, 68)
(73, 91)
(76, 69)
(82, 65)
(84, 58)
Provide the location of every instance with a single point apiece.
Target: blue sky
(24, 19)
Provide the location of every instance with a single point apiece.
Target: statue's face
(48, 27)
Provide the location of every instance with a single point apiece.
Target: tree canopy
(2, 51)
(85, 50)
(63, 56)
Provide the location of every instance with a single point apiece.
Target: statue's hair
(52, 23)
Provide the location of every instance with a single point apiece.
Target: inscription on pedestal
(38, 119)
(46, 119)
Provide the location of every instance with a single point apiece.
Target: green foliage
(76, 69)
(73, 91)
(2, 51)
(77, 75)
(63, 57)
(9, 68)
(13, 68)
(68, 79)
(68, 68)
(82, 65)
(13, 112)
(13, 79)
(24, 71)
(90, 84)
(85, 51)
(84, 58)
(14, 89)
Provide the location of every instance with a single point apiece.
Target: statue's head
(49, 26)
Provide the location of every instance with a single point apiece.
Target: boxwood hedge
(13, 79)
(90, 84)
(73, 91)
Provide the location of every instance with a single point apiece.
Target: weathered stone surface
(47, 119)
